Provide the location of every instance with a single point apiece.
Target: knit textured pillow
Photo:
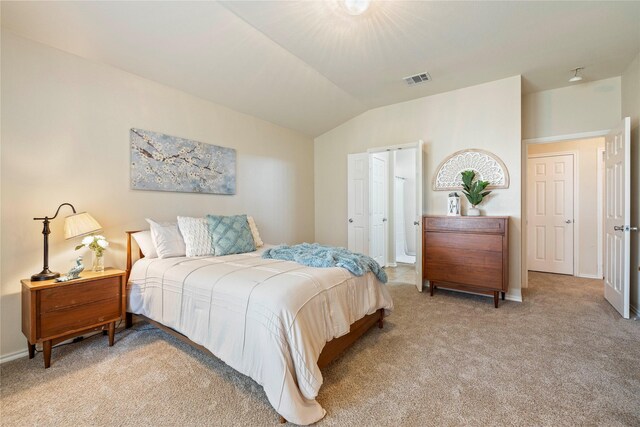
(230, 234)
(197, 238)
(254, 232)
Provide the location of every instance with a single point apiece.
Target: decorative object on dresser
(168, 163)
(75, 225)
(74, 273)
(467, 253)
(474, 191)
(53, 312)
(453, 204)
(97, 244)
(488, 167)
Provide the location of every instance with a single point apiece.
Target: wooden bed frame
(331, 350)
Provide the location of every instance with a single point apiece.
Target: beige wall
(586, 250)
(65, 138)
(631, 108)
(485, 116)
(586, 107)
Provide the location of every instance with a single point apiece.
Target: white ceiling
(309, 66)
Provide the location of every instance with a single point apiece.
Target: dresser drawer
(78, 294)
(464, 258)
(482, 225)
(59, 322)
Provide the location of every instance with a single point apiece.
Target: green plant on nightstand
(474, 191)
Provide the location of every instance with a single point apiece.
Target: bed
(275, 321)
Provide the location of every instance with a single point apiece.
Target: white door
(378, 206)
(550, 214)
(418, 217)
(358, 203)
(617, 194)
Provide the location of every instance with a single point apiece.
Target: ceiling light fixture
(576, 77)
(356, 7)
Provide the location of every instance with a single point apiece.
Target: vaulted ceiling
(309, 66)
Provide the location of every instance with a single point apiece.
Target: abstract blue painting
(167, 163)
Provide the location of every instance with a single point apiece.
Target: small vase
(98, 263)
(473, 211)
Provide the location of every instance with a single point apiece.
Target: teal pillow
(230, 234)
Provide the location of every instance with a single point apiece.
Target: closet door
(378, 205)
(358, 203)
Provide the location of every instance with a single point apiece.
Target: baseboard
(634, 311)
(589, 276)
(512, 296)
(392, 265)
(13, 356)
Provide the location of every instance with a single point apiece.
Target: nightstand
(56, 311)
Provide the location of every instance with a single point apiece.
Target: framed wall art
(168, 163)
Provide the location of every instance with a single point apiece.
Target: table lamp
(75, 225)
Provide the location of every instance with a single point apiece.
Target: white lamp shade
(80, 224)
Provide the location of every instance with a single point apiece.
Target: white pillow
(254, 232)
(145, 243)
(167, 239)
(196, 236)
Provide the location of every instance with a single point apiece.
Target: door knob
(350, 219)
(416, 223)
(568, 221)
(384, 219)
(618, 228)
(633, 228)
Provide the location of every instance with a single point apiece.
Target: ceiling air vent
(417, 79)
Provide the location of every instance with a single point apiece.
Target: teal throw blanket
(316, 255)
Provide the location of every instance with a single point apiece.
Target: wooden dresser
(56, 311)
(467, 253)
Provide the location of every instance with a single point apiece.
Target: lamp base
(44, 275)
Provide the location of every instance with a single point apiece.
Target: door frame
(390, 260)
(576, 203)
(600, 214)
(524, 234)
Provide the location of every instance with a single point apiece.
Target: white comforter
(268, 319)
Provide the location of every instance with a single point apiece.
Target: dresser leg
(112, 332)
(46, 348)
(503, 295)
(32, 350)
(128, 320)
(431, 286)
(496, 298)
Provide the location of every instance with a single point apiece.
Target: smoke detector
(417, 79)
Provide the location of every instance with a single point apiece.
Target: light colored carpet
(563, 357)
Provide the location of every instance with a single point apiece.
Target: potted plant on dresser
(474, 191)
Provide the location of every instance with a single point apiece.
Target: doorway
(564, 207)
(403, 236)
(385, 206)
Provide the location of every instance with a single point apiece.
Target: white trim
(600, 208)
(589, 276)
(13, 356)
(509, 296)
(394, 147)
(576, 203)
(513, 296)
(568, 137)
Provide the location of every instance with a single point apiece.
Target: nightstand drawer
(77, 317)
(78, 294)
